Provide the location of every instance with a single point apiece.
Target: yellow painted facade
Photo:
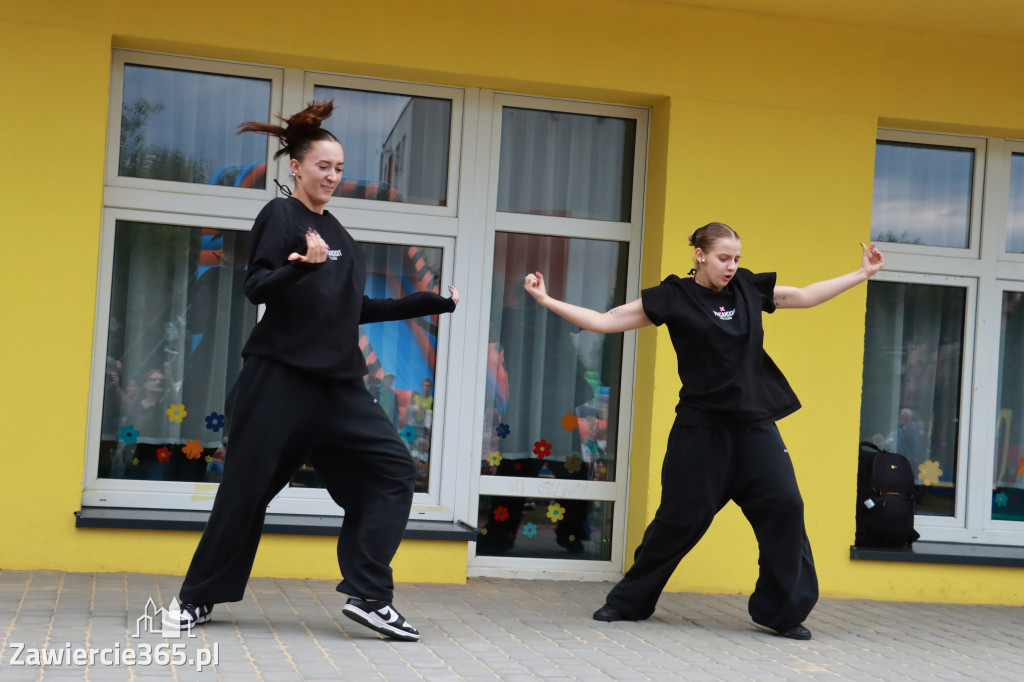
(766, 123)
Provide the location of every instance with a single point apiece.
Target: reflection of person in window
(421, 407)
(724, 443)
(389, 399)
(145, 410)
(909, 441)
(301, 395)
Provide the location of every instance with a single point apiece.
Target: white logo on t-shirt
(334, 254)
(722, 314)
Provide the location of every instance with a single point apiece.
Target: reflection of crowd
(412, 414)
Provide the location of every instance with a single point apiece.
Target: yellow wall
(767, 124)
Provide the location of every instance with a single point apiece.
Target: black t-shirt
(728, 378)
(313, 310)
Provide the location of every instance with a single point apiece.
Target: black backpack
(886, 498)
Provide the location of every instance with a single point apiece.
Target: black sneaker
(382, 617)
(195, 614)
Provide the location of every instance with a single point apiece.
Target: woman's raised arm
(620, 319)
(819, 292)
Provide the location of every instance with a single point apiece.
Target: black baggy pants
(279, 418)
(704, 468)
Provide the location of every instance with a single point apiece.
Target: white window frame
(630, 233)
(988, 270)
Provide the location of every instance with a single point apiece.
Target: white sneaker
(382, 617)
(195, 614)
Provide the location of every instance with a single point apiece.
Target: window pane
(568, 165)
(552, 389)
(396, 146)
(544, 529)
(1008, 476)
(180, 125)
(922, 195)
(178, 320)
(913, 358)
(1015, 218)
(401, 355)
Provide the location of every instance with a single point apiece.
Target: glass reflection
(396, 146)
(178, 320)
(544, 529)
(913, 359)
(922, 194)
(180, 125)
(569, 165)
(552, 389)
(1015, 217)
(1008, 474)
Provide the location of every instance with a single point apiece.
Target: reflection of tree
(891, 236)
(139, 160)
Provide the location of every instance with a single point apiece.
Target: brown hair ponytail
(299, 131)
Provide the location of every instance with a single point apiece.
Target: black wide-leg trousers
(279, 418)
(704, 468)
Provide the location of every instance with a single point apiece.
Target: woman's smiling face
(318, 173)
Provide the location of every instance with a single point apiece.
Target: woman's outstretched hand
(872, 260)
(534, 285)
(454, 292)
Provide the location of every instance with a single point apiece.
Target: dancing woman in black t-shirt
(300, 395)
(724, 444)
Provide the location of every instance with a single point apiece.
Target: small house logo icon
(156, 620)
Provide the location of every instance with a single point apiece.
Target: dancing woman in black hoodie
(300, 394)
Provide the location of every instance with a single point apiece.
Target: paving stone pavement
(488, 629)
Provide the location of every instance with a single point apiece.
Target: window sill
(944, 553)
(288, 524)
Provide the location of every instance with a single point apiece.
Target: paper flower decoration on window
(501, 513)
(928, 473)
(215, 422)
(1001, 499)
(592, 445)
(128, 435)
(529, 529)
(573, 464)
(494, 458)
(192, 449)
(556, 512)
(572, 538)
(519, 466)
(503, 430)
(135, 461)
(208, 459)
(176, 412)
(163, 454)
(542, 448)
(600, 468)
(483, 531)
(570, 422)
(408, 434)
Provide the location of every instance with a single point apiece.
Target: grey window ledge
(944, 553)
(288, 524)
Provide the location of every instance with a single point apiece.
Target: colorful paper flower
(542, 448)
(215, 422)
(529, 529)
(573, 464)
(556, 512)
(519, 466)
(1001, 499)
(192, 449)
(600, 468)
(163, 454)
(494, 458)
(572, 538)
(176, 412)
(501, 513)
(503, 430)
(208, 459)
(135, 461)
(408, 434)
(592, 445)
(128, 435)
(483, 531)
(570, 422)
(928, 472)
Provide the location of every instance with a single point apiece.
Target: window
(559, 186)
(941, 381)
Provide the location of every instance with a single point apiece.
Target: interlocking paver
(492, 629)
